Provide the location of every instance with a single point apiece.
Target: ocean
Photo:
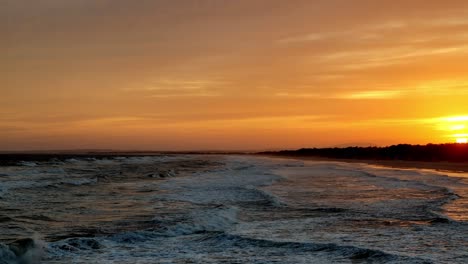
(229, 209)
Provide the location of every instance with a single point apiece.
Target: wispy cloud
(383, 44)
(353, 95)
(384, 56)
(370, 95)
(167, 88)
(308, 37)
(380, 29)
(442, 87)
(448, 21)
(298, 95)
(176, 95)
(454, 126)
(364, 32)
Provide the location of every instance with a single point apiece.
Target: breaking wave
(22, 251)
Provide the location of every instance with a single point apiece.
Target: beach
(437, 165)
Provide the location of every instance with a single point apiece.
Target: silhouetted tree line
(430, 152)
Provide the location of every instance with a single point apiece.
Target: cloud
(455, 118)
(308, 37)
(370, 95)
(167, 88)
(449, 21)
(443, 87)
(380, 29)
(299, 95)
(363, 32)
(169, 95)
(384, 56)
(387, 43)
(354, 95)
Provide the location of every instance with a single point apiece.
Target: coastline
(15, 158)
(400, 164)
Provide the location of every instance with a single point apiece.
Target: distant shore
(401, 164)
(16, 158)
(445, 157)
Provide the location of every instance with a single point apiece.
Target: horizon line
(201, 151)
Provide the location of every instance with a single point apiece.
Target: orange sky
(184, 75)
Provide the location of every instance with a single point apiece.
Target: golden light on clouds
(232, 74)
(455, 126)
(458, 127)
(371, 95)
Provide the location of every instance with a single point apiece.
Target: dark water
(229, 209)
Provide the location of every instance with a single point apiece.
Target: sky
(231, 75)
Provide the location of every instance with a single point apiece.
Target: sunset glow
(185, 75)
(234, 131)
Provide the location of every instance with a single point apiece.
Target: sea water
(229, 209)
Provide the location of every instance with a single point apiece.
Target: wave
(433, 209)
(162, 174)
(351, 252)
(266, 198)
(77, 182)
(79, 244)
(213, 220)
(133, 237)
(22, 251)
(27, 164)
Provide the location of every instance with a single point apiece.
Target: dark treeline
(430, 152)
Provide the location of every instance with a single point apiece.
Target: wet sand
(440, 166)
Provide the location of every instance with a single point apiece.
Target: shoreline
(457, 167)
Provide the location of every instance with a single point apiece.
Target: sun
(462, 140)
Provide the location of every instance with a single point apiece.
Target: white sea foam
(28, 164)
(212, 220)
(238, 182)
(25, 251)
